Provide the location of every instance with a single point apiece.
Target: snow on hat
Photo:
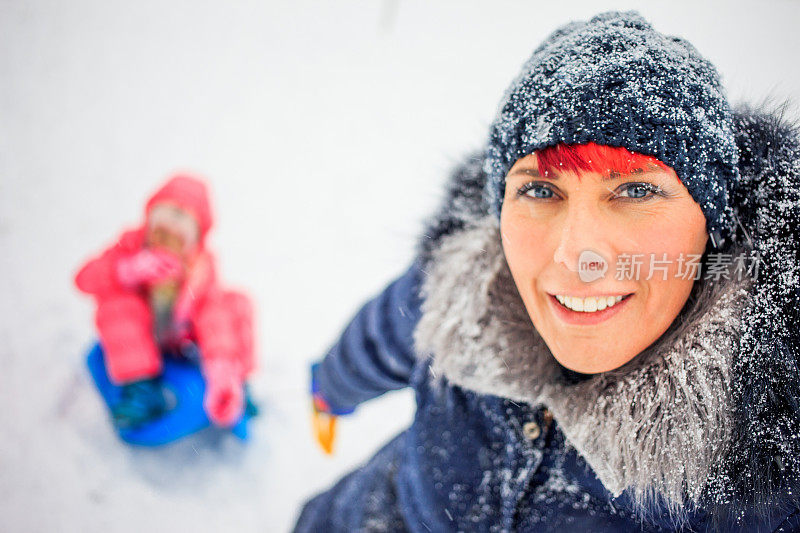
(188, 192)
(614, 80)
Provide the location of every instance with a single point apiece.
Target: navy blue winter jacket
(478, 457)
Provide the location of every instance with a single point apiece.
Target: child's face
(173, 228)
(559, 231)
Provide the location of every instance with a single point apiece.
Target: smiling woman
(600, 200)
(586, 351)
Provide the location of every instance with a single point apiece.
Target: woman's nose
(582, 237)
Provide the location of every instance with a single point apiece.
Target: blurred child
(157, 293)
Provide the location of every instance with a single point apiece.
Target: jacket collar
(707, 414)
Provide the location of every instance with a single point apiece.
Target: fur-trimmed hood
(708, 414)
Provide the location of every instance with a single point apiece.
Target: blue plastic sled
(184, 380)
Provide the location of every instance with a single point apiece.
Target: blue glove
(319, 401)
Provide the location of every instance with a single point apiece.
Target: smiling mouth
(590, 304)
(595, 309)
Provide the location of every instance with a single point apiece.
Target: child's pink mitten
(147, 266)
(224, 397)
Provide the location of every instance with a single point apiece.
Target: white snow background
(326, 130)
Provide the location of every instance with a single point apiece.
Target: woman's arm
(375, 353)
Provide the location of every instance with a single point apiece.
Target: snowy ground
(326, 130)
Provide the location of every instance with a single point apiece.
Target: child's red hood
(190, 193)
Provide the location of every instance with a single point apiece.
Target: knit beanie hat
(614, 80)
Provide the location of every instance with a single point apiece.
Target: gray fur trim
(658, 424)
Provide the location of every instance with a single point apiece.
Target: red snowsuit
(221, 321)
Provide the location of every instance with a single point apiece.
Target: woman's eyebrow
(635, 172)
(532, 172)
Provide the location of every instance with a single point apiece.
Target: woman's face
(558, 232)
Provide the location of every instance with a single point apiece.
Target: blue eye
(639, 191)
(538, 191)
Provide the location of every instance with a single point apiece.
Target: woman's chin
(595, 364)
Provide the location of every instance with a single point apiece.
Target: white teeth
(590, 304)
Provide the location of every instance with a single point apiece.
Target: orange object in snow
(324, 425)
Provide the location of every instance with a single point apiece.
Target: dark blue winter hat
(614, 80)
